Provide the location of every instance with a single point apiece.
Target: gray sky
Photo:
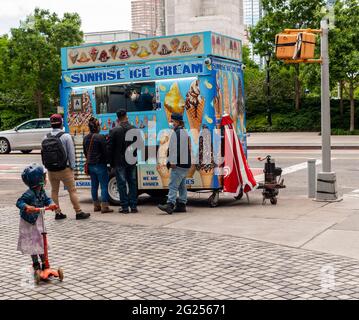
(96, 15)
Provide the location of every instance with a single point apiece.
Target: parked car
(25, 137)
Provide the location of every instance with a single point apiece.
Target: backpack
(53, 153)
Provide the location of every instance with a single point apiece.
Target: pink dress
(30, 237)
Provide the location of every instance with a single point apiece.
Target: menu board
(136, 50)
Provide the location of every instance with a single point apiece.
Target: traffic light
(295, 45)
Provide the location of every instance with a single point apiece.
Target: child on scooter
(30, 238)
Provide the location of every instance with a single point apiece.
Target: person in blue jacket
(30, 238)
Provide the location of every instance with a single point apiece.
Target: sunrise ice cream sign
(116, 74)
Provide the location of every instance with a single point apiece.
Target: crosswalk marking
(288, 170)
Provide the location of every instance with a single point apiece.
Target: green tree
(254, 81)
(34, 51)
(4, 60)
(279, 15)
(344, 51)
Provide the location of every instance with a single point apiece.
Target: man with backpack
(58, 156)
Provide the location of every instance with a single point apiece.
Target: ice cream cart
(198, 75)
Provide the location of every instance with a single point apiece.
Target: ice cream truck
(199, 75)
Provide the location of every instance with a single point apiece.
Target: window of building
(134, 97)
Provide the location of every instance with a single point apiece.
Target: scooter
(272, 180)
(47, 273)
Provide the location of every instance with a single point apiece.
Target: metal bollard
(312, 178)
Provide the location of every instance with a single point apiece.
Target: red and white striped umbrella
(236, 170)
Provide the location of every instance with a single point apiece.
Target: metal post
(269, 112)
(326, 180)
(312, 177)
(325, 99)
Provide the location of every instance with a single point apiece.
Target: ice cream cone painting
(195, 41)
(154, 46)
(194, 109)
(134, 48)
(161, 167)
(217, 100)
(175, 44)
(213, 43)
(173, 101)
(218, 44)
(206, 164)
(226, 95)
(73, 56)
(234, 105)
(241, 106)
(113, 51)
(191, 171)
(93, 54)
(223, 46)
(206, 177)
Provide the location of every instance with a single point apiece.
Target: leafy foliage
(344, 49)
(30, 65)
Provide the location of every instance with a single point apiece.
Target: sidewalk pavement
(104, 260)
(295, 221)
(298, 140)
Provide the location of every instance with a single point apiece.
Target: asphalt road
(345, 163)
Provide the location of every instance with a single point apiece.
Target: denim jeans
(178, 184)
(99, 176)
(127, 174)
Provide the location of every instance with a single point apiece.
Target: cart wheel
(213, 200)
(273, 200)
(264, 201)
(61, 274)
(239, 195)
(37, 277)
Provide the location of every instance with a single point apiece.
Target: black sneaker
(82, 215)
(122, 210)
(168, 207)
(59, 216)
(180, 207)
(134, 210)
(36, 266)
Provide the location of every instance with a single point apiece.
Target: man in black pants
(125, 172)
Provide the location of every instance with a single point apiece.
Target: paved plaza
(298, 249)
(105, 260)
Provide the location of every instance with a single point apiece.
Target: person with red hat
(58, 156)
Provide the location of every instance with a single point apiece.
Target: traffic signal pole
(326, 184)
(325, 99)
(326, 180)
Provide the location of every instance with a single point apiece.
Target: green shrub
(342, 132)
(308, 118)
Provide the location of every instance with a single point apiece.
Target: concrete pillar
(311, 178)
(327, 187)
